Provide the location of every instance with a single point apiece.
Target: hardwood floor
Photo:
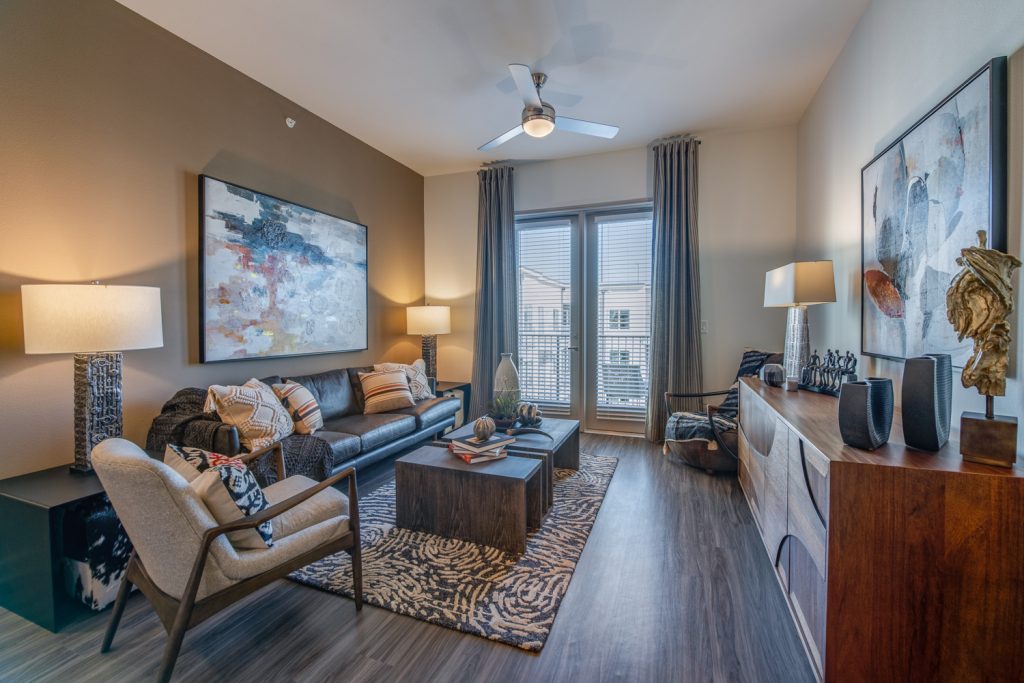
(674, 585)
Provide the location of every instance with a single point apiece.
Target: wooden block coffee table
(491, 503)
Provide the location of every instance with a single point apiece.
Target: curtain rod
(674, 138)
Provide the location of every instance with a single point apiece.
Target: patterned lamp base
(98, 413)
(430, 354)
(798, 341)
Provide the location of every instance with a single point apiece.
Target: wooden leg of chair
(357, 574)
(174, 640)
(115, 614)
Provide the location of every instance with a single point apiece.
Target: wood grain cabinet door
(806, 547)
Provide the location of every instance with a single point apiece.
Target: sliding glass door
(584, 315)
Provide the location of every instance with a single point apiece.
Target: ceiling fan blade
(523, 77)
(586, 127)
(501, 139)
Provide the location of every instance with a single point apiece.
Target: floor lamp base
(98, 411)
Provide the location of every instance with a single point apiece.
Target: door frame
(583, 320)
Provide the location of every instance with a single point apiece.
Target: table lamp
(96, 323)
(797, 286)
(429, 321)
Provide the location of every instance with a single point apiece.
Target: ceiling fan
(539, 117)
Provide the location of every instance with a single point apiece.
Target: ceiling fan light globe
(538, 126)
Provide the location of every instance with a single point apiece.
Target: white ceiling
(425, 81)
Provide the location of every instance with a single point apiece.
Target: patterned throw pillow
(191, 462)
(384, 391)
(301, 405)
(230, 492)
(416, 373)
(254, 410)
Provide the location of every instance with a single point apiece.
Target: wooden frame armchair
(709, 439)
(175, 537)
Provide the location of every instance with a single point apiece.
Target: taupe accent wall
(106, 120)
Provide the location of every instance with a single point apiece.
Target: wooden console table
(897, 564)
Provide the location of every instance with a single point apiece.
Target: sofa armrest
(212, 435)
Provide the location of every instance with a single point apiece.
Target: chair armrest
(277, 449)
(669, 395)
(253, 521)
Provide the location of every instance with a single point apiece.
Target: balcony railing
(622, 380)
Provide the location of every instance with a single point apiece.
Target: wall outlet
(703, 326)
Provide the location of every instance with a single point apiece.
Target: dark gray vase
(927, 401)
(865, 412)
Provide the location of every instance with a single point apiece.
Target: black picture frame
(995, 70)
(204, 355)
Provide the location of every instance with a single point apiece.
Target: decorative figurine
(977, 303)
(828, 376)
(529, 414)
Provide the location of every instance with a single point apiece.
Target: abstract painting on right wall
(923, 199)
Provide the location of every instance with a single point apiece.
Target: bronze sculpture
(978, 301)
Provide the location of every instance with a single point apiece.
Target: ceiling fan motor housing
(539, 121)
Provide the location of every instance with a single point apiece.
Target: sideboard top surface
(815, 417)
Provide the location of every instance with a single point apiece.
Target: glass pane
(545, 305)
(623, 315)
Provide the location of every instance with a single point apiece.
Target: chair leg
(118, 610)
(357, 574)
(174, 640)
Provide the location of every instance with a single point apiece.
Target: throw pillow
(419, 383)
(254, 410)
(190, 462)
(301, 405)
(384, 391)
(230, 492)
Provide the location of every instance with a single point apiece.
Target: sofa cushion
(327, 504)
(373, 430)
(344, 446)
(432, 410)
(385, 391)
(333, 391)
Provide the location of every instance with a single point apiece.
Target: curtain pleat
(496, 291)
(675, 306)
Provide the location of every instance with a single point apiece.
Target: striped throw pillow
(301, 405)
(384, 391)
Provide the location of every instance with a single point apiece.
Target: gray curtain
(496, 290)
(675, 304)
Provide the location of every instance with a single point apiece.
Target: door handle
(573, 348)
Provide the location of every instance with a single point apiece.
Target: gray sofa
(349, 438)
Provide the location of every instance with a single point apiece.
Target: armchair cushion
(190, 462)
(327, 504)
(230, 492)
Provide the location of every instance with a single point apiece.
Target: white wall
(747, 224)
(902, 58)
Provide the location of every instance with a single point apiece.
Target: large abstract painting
(278, 279)
(924, 198)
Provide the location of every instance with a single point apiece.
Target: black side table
(32, 509)
(450, 388)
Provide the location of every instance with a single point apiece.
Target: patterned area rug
(473, 588)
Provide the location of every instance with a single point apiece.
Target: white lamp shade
(800, 284)
(428, 320)
(90, 318)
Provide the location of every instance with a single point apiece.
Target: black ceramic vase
(865, 412)
(927, 401)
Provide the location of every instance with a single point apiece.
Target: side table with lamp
(95, 322)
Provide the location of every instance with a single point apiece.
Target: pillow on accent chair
(384, 391)
(230, 492)
(301, 405)
(190, 462)
(254, 410)
(416, 373)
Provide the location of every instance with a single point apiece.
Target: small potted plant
(504, 410)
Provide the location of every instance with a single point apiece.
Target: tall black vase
(865, 412)
(927, 401)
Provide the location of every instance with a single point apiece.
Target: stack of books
(472, 450)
